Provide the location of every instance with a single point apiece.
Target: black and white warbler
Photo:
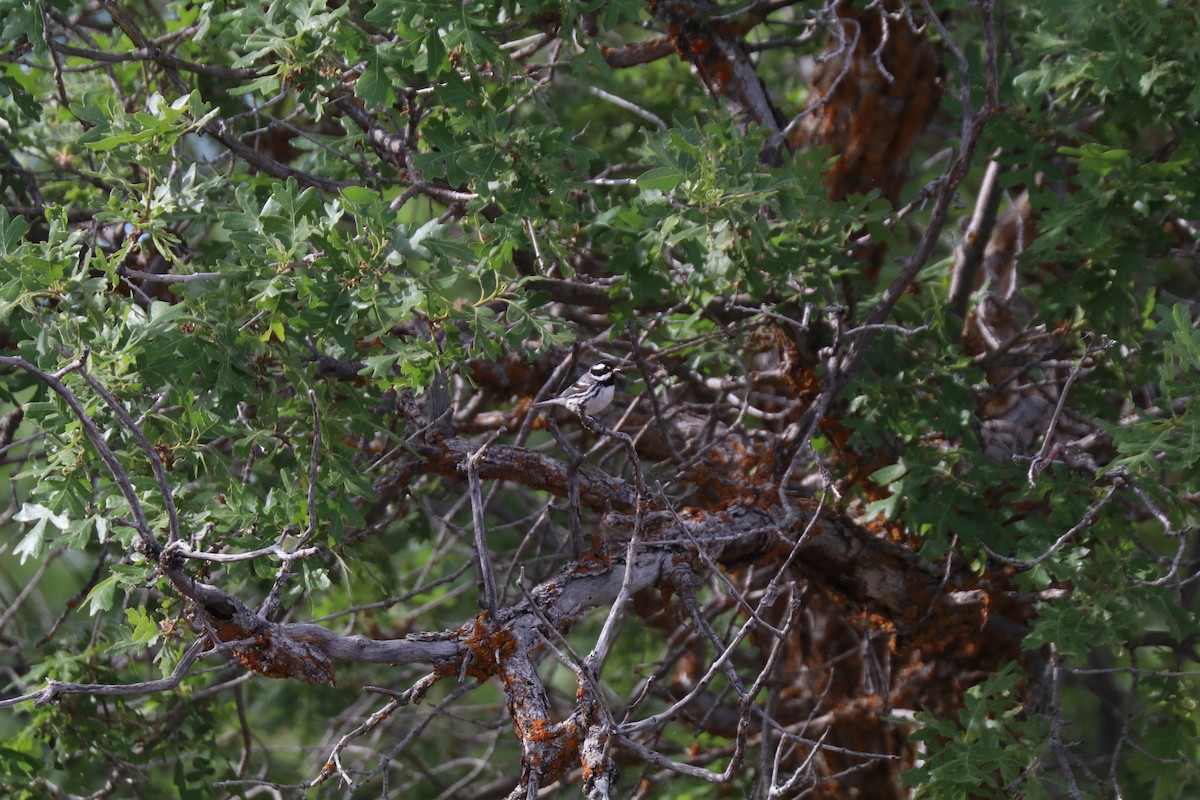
(589, 395)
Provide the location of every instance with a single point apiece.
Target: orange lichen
(551, 747)
(724, 74)
(486, 648)
(275, 655)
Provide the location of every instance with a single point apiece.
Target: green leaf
(145, 629)
(12, 233)
(274, 332)
(33, 541)
(24, 762)
(664, 179)
(374, 87)
(100, 598)
(22, 21)
(890, 474)
(435, 54)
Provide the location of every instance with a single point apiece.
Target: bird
(589, 395)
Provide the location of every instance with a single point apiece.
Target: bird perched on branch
(589, 395)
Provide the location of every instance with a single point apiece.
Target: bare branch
(487, 578)
(333, 764)
(55, 689)
(966, 267)
(152, 277)
(153, 53)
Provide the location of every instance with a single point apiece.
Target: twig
(715, 569)
(585, 669)
(54, 689)
(270, 606)
(768, 673)
(900, 329)
(416, 729)
(986, 9)
(634, 108)
(8, 429)
(413, 695)
(48, 39)
(654, 757)
(718, 665)
(639, 358)
(313, 468)
(156, 465)
(184, 549)
(537, 249)
(149, 545)
(1041, 460)
(979, 233)
(1057, 745)
(152, 53)
(595, 659)
(1085, 521)
(151, 277)
(574, 462)
(846, 51)
(972, 131)
(76, 599)
(395, 600)
(30, 586)
(722, 661)
(483, 558)
(597, 427)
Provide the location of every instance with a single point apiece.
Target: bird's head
(603, 371)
